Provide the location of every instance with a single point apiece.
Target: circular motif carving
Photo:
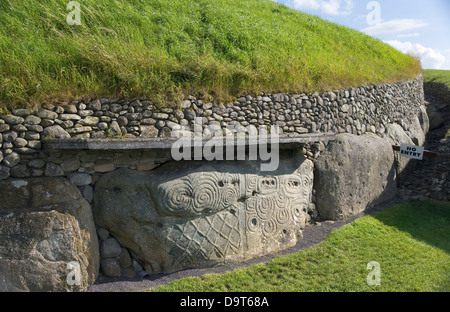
(282, 216)
(297, 212)
(270, 228)
(253, 223)
(264, 206)
(229, 195)
(177, 199)
(293, 184)
(282, 201)
(250, 205)
(206, 195)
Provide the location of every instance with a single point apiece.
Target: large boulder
(48, 238)
(352, 174)
(396, 136)
(416, 132)
(199, 214)
(435, 118)
(423, 119)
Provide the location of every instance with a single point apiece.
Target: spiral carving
(271, 204)
(206, 195)
(264, 207)
(229, 195)
(193, 196)
(178, 199)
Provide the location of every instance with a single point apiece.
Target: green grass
(167, 49)
(436, 75)
(411, 242)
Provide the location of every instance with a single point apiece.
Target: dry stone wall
(367, 109)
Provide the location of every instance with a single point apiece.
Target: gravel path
(430, 178)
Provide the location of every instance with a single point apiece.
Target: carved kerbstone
(198, 214)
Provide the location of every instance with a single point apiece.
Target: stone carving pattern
(196, 195)
(211, 237)
(222, 209)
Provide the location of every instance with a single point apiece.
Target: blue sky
(419, 27)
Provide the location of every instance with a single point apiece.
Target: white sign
(412, 151)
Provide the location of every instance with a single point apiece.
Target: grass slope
(165, 49)
(436, 75)
(411, 242)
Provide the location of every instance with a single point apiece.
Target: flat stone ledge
(285, 141)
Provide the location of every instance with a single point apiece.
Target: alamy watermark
(74, 275)
(74, 16)
(213, 142)
(374, 277)
(374, 17)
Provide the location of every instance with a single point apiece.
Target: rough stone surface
(102, 233)
(125, 258)
(4, 172)
(70, 164)
(53, 170)
(352, 174)
(9, 136)
(185, 214)
(11, 160)
(110, 248)
(36, 164)
(110, 267)
(44, 226)
(435, 117)
(149, 132)
(104, 167)
(416, 132)
(396, 136)
(12, 119)
(56, 132)
(424, 119)
(46, 114)
(89, 121)
(88, 192)
(80, 179)
(19, 142)
(20, 171)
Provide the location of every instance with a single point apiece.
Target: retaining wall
(356, 111)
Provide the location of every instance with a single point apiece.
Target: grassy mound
(438, 76)
(164, 49)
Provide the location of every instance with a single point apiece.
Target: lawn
(410, 242)
(167, 49)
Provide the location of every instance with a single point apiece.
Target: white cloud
(430, 58)
(330, 7)
(408, 35)
(394, 26)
